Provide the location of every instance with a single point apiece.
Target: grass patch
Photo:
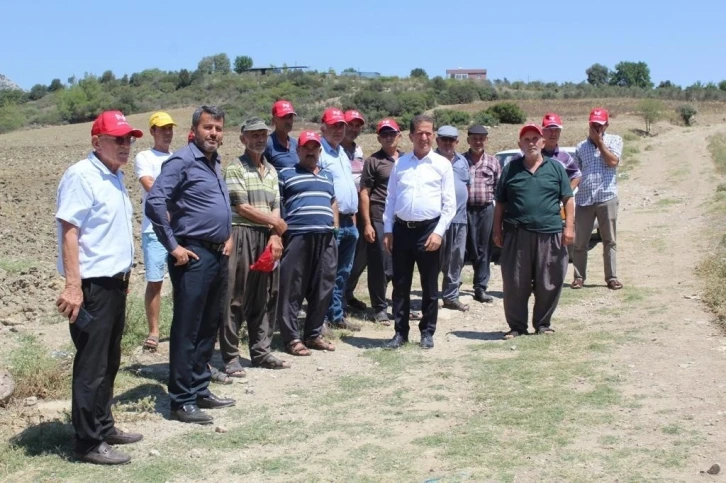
(137, 327)
(38, 374)
(717, 147)
(628, 159)
(16, 265)
(667, 202)
(629, 136)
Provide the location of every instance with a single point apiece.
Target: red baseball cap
(114, 123)
(387, 123)
(353, 114)
(552, 120)
(190, 136)
(599, 115)
(307, 136)
(530, 127)
(333, 115)
(282, 108)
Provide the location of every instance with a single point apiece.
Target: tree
(351, 70)
(222, 65)
(665, 84)
(651, 110)
(38, 91)
(206, 65)
(55, 85)
(631, 74)
(242, 63)
(722, 85)
(185, 79)
(419, 73)
(686, 112)
(597, 75)
(508, 113)
(107, 77)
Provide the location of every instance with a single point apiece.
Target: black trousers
(359, 262)
(480, 221)
(98, 356)
(380, 269)
(307, 271)
(199, 289)
(408, 249)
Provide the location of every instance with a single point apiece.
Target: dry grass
(37, 373)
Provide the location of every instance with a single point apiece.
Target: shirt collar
(426, 157)
(276, 142)
(552, 153)
(99, 164)
(381, 154)
(330, 149)
(198, 154)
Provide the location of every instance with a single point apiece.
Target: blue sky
(547, 41)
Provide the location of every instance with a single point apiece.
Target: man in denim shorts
(147, 167)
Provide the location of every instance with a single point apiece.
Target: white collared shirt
(95, 200)
(419, 190)
(148, 163)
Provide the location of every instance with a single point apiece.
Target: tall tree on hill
(419, 73)
(597, 75)
(55, 85)
(222, 65)
(242, 63)
(631, 74)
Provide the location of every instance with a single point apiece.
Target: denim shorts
(154, 257)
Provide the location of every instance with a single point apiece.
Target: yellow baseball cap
(161, 119)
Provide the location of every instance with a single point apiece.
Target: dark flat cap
(477, 129)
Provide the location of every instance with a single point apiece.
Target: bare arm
(608, 157)
(497, 223)
(569, 232)
(575, 182)
(146, 182)
(71, 298)
(336, 219)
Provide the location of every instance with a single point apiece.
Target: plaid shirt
(484, 178)
(599, 181)
(247, 187)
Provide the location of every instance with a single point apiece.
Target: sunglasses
(121, 140)
(388, 134)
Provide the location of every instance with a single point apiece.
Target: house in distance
(479, 75)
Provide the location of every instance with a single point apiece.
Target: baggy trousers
(452, 251)
(307, 271)
(531, 262)
(481, 219)
(199, 289)
(607, 218)
(97, 360)
(251, 296)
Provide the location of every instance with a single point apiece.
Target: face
(422, 136)
(114, 150)
(477, 142)
(283, 124)
(162, 135)
(531, 143)
(551, 136)
(334, 133)
(209, 133)
(389, 139)
(447, 146)
(598, 128)
(352, 130)
(255, 141)
(309, 153)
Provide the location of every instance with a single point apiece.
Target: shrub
(451, 117)
(11, 117)
(686, 113)
(508, 113)
(486, 118)
(38, 374)
(651, 110)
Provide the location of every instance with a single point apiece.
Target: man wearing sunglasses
(96, 251)
(189, 208)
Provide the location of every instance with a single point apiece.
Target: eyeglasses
(388, 134)
(121, 140)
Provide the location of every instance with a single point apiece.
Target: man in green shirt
(254, 196)
(528, 228)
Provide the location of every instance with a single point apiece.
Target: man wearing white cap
(528, 228)
(147, 166)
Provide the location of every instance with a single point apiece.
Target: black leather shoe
(427, 342)
(103, 454)
(214, 402)
(121, 437)
(455, 305)
(397, 341)
(483, 297)
(190, 413)
(345, 324)
(356, 304)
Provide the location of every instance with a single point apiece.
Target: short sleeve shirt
(376, 172)
(280, 156)
(148, 163)
(247, 186)
(306, 200)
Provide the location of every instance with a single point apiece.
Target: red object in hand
(266, 262)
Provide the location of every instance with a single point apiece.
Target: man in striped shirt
(256, 224)
(310, 257)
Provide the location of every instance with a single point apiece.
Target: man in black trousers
(420, 204)
(196, 233)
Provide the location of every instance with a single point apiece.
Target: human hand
(433, 243)
(69, 301)
(275, 245)
(183, 255)
(369, 233)
(388, 242)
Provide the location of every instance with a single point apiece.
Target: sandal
(218, 376)
(151, 343)
(511, 335)
(415, 315)
(577, 283)
(272, 362)
(614, 284)
(545, 331)
(320, 344)
(234, 369)
(297, 348)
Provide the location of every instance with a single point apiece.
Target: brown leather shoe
(122, 437)
(455, 304)
(103, 454)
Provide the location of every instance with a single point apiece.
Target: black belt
(483, 205)
(346, 216)
(123, 276)
(415, 224)
(214, 247)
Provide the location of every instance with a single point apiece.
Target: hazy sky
(548, 41)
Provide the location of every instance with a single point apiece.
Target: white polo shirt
(95, 200)
(148, 163)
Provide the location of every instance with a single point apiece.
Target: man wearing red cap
(281, 150)
(334, 160)
(95, 255)
(528, 228)
(309, 259)
(598, 157)
(551, 129)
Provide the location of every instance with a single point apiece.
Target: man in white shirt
(147, 166)
(95, 254)
(420, 204)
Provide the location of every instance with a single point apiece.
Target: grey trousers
(251, 296)
(607, 218)
(452, 251)
(531, 262)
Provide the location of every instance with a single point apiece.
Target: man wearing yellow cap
(147, 167)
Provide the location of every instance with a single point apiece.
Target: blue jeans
(347, 240)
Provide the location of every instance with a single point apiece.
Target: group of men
(294, 220)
